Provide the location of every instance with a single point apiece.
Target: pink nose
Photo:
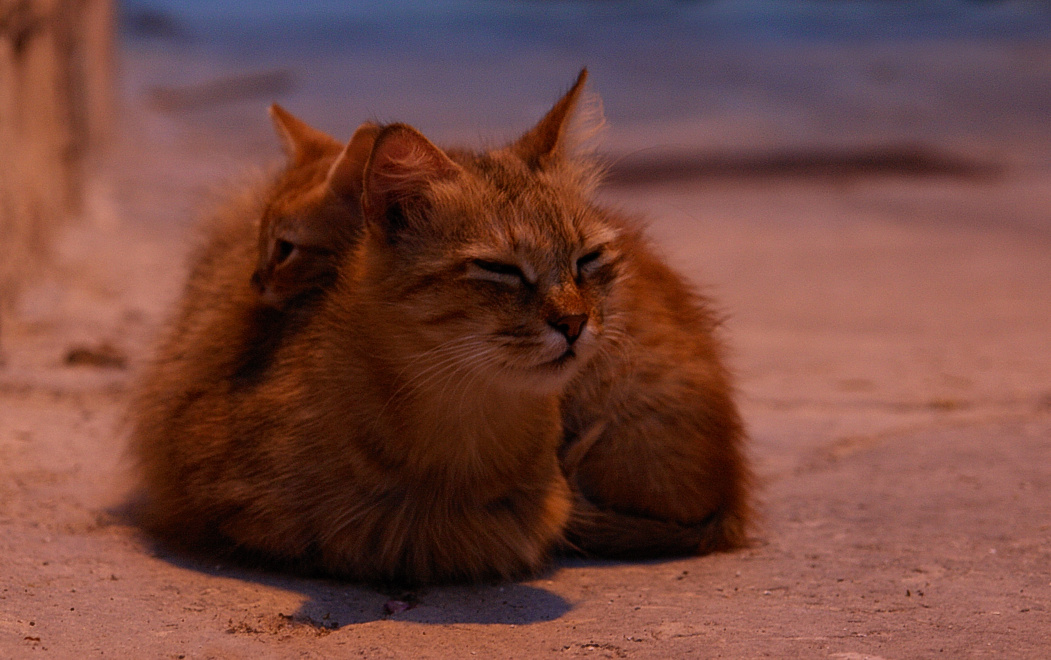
(571, 326)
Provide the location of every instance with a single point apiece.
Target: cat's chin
(547, 377)
(566, 361)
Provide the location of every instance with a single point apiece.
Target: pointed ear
(346, 177)
(402, 165)
(546, 140)
(301, 142)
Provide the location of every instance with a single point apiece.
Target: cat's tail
(598, 532)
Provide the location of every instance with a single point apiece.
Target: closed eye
(499, 271)
(497, 267)
(589, 259)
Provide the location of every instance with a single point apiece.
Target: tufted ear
(403, 164)
(546, 141)
(300, 141)
(346, 177)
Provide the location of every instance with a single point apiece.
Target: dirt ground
(891, 338)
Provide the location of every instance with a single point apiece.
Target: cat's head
(494, 264)
(312, 211)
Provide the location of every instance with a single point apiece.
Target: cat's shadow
(331, 604)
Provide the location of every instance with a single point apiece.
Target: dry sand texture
(890, 332)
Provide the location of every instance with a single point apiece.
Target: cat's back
(180, 409)
(217, 376)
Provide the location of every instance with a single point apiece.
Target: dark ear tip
(578, 84)
(277, 113)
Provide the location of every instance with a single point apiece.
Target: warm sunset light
(525, 329)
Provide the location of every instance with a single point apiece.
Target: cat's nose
(571, 326)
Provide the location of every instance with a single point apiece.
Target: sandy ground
(891, 336)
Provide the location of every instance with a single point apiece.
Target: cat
(653, 443)
(304, 230)
(487, 365)
(404, 425)
(254, 282)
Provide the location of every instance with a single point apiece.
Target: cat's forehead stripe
(533, 215)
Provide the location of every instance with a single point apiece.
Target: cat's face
(491, 269)
(312, 210)
(301, 222)
(503, 271)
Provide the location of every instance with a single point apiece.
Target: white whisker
(450, 353)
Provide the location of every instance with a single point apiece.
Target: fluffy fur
(472, 364)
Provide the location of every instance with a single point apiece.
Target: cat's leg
(657, 468)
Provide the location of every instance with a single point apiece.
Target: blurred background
(132, 113)
(731, 73)
(702, 78)
(714, 85)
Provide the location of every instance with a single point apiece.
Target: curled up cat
(398, 363)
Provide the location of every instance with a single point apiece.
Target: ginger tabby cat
(404, 364)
